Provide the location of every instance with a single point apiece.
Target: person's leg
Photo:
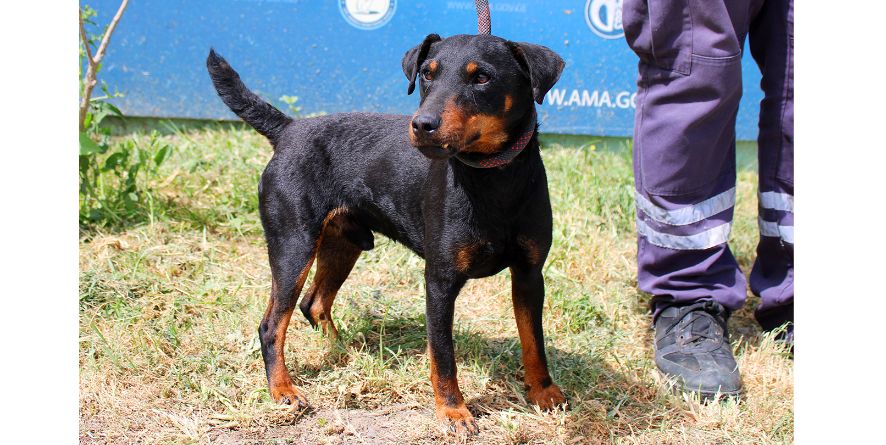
(772, 278)
(689, 89)
(684, 149)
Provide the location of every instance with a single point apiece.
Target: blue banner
(344, 55)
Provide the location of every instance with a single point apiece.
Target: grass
(169, 309)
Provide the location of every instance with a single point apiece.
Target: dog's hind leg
(291, 256)
(336, 256)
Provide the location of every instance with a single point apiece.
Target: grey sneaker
(692, 347)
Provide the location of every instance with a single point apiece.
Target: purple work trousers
(689, 87)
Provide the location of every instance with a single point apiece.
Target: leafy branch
(93, 60)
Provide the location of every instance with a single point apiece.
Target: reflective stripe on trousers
(702, 238)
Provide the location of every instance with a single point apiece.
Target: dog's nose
(425, 124)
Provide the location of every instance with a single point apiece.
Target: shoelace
(696, 338)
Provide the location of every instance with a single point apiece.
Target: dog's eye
(426, 75)
(481, 79)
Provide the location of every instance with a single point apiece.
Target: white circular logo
(367, 14)
(604, 18)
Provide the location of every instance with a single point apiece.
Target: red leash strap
(484, 22)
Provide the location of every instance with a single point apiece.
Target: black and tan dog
(460, 183)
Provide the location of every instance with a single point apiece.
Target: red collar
(507, 155)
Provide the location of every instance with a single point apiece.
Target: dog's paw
(547, 398)
(289, 395)
(458, 420)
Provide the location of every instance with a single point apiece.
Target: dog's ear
(413, 59)
(542, 65)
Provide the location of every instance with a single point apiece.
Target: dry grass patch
(169, 310)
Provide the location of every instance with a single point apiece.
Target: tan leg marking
(542, 390)
(449, 403)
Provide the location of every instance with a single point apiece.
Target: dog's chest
(483, 257)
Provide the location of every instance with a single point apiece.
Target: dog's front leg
(528, 294)
(442, 288)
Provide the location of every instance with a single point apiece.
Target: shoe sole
(676, 386)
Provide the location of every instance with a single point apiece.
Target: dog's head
(476, 92)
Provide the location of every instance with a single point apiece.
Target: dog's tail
(261, 115)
